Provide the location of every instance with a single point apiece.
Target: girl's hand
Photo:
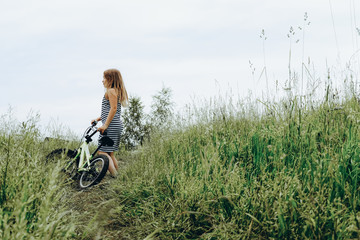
(102, 129)
(95, 120)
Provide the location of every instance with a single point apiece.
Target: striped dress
(115, 128)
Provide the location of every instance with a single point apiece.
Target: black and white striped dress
(115, 128)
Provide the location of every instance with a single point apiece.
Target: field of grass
(223, 171)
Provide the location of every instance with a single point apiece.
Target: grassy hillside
(221, 172)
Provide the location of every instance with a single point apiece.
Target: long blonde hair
(114, 80)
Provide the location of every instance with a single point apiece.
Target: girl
(115, 97)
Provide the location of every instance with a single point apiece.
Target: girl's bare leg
(114, 160)
(112, 168)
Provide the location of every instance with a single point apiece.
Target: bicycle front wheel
(96, 171)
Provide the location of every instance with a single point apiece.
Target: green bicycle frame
(85, 157)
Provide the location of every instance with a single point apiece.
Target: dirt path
(93, 209)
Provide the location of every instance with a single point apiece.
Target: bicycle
(80, 164)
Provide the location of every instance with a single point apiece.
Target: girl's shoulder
(111, 92)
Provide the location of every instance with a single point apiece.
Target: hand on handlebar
(94, 122)
(102, 129)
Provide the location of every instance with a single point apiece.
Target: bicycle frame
(83, 152)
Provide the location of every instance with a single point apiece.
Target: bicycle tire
(70, 165)
(98, 168)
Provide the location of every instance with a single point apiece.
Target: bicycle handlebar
(94, 123)
(95, 130)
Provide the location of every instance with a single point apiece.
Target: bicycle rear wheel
(67, 157)
(96, 171)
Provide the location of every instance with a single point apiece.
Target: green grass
(31, 204)
(224, 171)
(293, 175)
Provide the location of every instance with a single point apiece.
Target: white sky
(53, 53)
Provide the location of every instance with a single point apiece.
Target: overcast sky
(53, 53)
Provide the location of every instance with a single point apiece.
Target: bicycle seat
(106, 141)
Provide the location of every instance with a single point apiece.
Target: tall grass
(290, 171)
(31, 204)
